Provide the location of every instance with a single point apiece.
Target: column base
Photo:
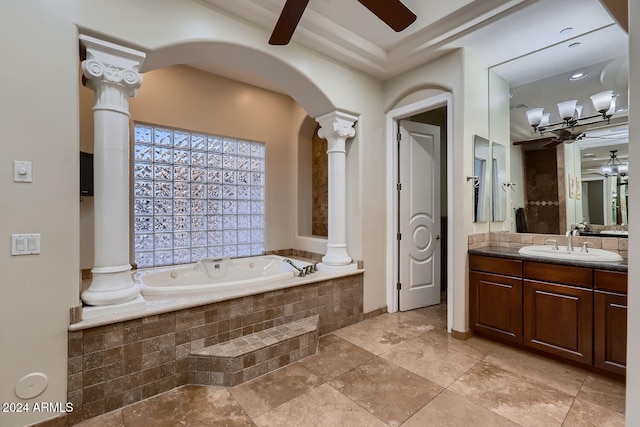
(111, 285)
(136, 305)
(336, 255)
(337, 268)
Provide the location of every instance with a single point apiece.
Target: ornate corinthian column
(336, 127)
(112, 72)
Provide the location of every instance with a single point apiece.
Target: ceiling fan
(560, 136)
(393, 12)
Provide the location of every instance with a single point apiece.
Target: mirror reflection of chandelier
(614, 166)
(570, 112)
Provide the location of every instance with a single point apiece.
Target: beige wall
(466, 78)
(39, 124)
(188, 98)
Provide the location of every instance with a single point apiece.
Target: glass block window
(195, 196)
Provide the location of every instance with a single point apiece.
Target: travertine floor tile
(560, 376)
(110, 419)
(604, 391)
(335, 356)
(269, 391)
(475, 347)
(433, 362)
(388, 391)
(188, 406)
(382, 333)
(321, 407)
(517, 398)
(449, 409)
(587, 414)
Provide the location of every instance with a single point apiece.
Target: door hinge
(399, 236)
(398, 186)
(398, 286)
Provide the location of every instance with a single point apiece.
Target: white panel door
(419, 215)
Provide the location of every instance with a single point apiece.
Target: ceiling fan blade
(393, 12)
(553, 143)
(539, 141)
(288, 21)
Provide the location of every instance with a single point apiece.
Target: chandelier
(614, 166)
(570, 112)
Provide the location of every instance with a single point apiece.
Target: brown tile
(584, 413)
(389, 392)
(322, 406)
(604, 391)
(431, 361)
(386, 331)
(449, 409)
(558, 375)
(188, 405)
(475, 347)
(512, 396)
(271, 390)
(110, 419)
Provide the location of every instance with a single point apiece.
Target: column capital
(107, 64)
(336, 124)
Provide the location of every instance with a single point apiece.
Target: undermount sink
(595, 255)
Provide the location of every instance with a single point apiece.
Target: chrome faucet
(569, 242)
(301, 272)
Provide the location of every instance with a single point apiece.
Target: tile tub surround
(517, 240)
(114, 365)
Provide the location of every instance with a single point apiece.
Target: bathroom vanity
(574, 310)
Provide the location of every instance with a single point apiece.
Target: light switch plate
(22, 171)
(25, 244)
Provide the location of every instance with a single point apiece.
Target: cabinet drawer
(614, 281)
(566, 274)
(508, 267)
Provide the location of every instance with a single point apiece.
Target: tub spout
(301, 272)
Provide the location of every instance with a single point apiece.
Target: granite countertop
(512, 253)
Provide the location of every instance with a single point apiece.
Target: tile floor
(398, 369)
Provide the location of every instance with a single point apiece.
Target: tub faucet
(300, 270)
(569, 242)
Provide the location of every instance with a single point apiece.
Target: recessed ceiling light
(622, 110)
(588, 155)
(566, 31)
(576, 44)
(577, 76)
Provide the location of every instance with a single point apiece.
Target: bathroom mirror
(481, 178)
(499, 184)
(554, 172)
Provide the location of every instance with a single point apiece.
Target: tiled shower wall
(115, 365)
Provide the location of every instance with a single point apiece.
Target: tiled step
(247, 357)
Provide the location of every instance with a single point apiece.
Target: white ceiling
(519, 39)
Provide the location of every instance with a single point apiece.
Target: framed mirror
(555, 168)
(481, 178)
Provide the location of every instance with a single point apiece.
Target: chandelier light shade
(567, 109)
(614, 166)
(602, 101)
(571, 114)
(534, 116)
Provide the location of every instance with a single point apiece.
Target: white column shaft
(336, 127)
(112, 72)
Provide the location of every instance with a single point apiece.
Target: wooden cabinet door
(610, 332)
(558, 319)
(495, 306)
